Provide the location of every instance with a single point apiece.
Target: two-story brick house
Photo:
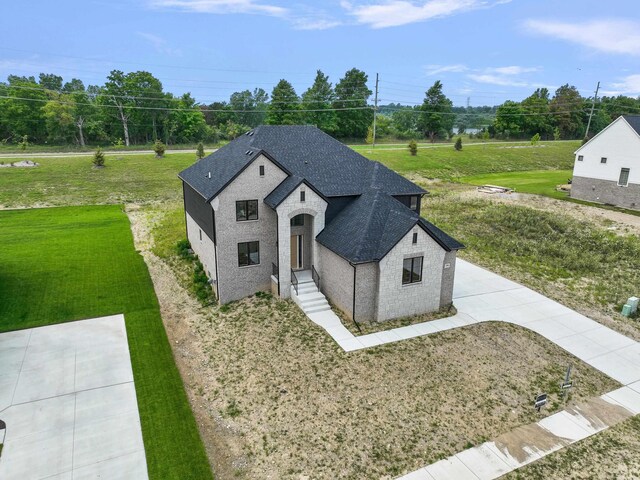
(283, 206)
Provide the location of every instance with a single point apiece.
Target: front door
(296, 251)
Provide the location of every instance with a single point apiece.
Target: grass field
(446, 163)
(72, 263)
(540, 182)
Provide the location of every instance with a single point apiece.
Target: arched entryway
(301, 242)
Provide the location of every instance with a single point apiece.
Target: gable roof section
(282, 191)
(368, 228)
(632, 120)
(331, 167)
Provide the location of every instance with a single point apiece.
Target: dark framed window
(298, 221)
(580, 158)
(415, 238)
(302, 197)
(414, 203)
(199, 230)
(603, 160)
(623, 181)
(248, 254)
(262, 170)
(412, 270)
(246, 210)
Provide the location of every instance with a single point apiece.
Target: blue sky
(487, 50)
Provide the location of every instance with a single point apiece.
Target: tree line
(133, 108)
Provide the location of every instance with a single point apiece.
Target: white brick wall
(205, 249)
(397, 300)
(313, 205)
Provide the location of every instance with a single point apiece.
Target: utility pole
(593, 105)
(375, 112)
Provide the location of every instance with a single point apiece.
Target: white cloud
(608, 36)
(431, 70)
(221, 6)
(501, 80)
(512, 70)
(159, 44)
(629, 85)
(392, 13)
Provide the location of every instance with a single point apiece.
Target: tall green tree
(352, 101)
(248, 108)
(59, 114)
(49, 81)
(567, 107)
(437, 117)
(318, 101)
(284, 106)
(21, 113)
(537, 117)
(509, 120)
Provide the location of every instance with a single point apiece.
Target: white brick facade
(397, 300)
(203, 248)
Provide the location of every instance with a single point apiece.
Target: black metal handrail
(316, 276)
(274, 270)
(294, 280)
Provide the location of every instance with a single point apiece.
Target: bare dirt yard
(275, 397)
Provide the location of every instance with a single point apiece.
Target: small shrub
(98, 158)
(413, 148)
(118, 143)
(535, 139)
(183, 247)
(556, 134)
(232, 409)
(159, 148)
(24, 143)
(200, 151)
(458, 145)
(369, 138)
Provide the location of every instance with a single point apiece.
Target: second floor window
(297, 221)
(246, 210)
(302, 196)
(580, 158)
(603, 160)
(414, 203)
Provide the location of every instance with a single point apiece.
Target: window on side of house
(623, 181)
(415, 238)
(248, 254)
(200, 233)
(414, 203)
(262, 170)
(297, 221)
(603, 159)
(302, 195)
(411, 270)
(580, 158)
(246, 210)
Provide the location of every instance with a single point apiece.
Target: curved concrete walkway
(480, 296)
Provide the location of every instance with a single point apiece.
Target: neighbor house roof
(634, 121)
(370, 226)
(304, 151)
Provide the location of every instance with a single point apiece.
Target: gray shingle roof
(304, 151)
(368, 228)
(634, 121)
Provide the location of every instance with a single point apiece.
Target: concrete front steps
(309, 298)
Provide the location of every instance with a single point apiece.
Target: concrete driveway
(68, 399)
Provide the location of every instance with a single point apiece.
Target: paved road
(68, 399)
(30, 156)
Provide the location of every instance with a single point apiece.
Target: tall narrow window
(248, 254)
(414, 203)
(262, 170)
(624, 177)
(246, 210)
(415, 238)
(411, 270)
(302, 192)
(200, 232)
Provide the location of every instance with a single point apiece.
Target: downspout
(353, 309)
(184, 202)
(278, 250)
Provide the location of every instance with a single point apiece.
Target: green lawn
(540, 182)
(74, 180)
(446, 163)
(70, 263)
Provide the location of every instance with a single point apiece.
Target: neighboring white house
(607, 168)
